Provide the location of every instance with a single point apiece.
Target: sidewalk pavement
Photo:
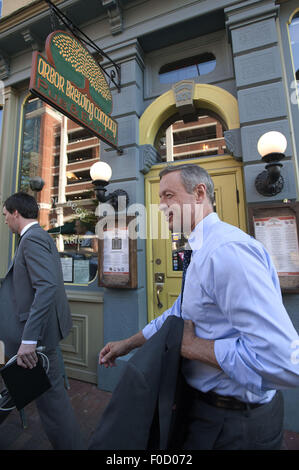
(89, 403)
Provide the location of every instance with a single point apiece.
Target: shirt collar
(201, 230)
(27, 227)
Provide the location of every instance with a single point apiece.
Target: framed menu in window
(276, 226)
(118, 254)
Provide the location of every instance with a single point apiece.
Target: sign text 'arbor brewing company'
(71, 81)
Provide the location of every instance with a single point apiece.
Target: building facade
(201, 81)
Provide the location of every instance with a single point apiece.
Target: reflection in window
(294, 37)
(187, 68)
(77, 177)
(79, 155)
(200, 138)
(67, 203)
(31, 142)
(1, 124)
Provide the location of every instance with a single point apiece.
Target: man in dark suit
(34, 311)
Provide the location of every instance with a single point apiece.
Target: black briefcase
(25, 385)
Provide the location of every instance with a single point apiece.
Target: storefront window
(61, 153)
(1, 124)
(294, 37)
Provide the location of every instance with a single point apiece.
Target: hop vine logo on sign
(70, 80)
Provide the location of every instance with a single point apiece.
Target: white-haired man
(237, 341)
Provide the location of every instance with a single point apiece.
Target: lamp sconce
(36, 183)
(100, 173)
(271, 146)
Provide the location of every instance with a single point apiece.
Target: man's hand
(112, 351)
(27, 356)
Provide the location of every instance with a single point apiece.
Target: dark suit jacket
(33, 303)
(141, 412)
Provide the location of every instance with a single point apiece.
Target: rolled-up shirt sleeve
(258, 351)
(152, 327)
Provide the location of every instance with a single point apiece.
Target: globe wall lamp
(271, 146)
(100, 173)
(36, 183)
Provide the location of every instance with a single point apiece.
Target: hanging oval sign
(70, 80)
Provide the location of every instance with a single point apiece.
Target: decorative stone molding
(126, 50)
(114, 12)
(83, 296)
(246, 13)
(4, 66)
(184, 95)
(148, 157)
(31, 40)
(233, 143)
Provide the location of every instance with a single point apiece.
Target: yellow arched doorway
(208, 97)
(163, 274)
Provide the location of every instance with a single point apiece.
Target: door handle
(158, 292)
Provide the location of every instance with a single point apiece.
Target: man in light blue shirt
(238, 342)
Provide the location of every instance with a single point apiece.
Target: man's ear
(200, 192)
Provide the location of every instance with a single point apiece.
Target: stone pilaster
(260, 88)
(7, 158)
(129, 307)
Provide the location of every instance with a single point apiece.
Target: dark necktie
(186, 262)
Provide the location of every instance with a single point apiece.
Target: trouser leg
(4, 401)
(260, 428)
(56, 412)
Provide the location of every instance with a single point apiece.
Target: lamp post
(100, 173)
(271, 146)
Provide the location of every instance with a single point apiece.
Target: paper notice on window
(279, 236)
(116, 251)
(67, 269)
(81, 271)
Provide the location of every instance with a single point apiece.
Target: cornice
(24, 14)
(249, 12)
(126, 50)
